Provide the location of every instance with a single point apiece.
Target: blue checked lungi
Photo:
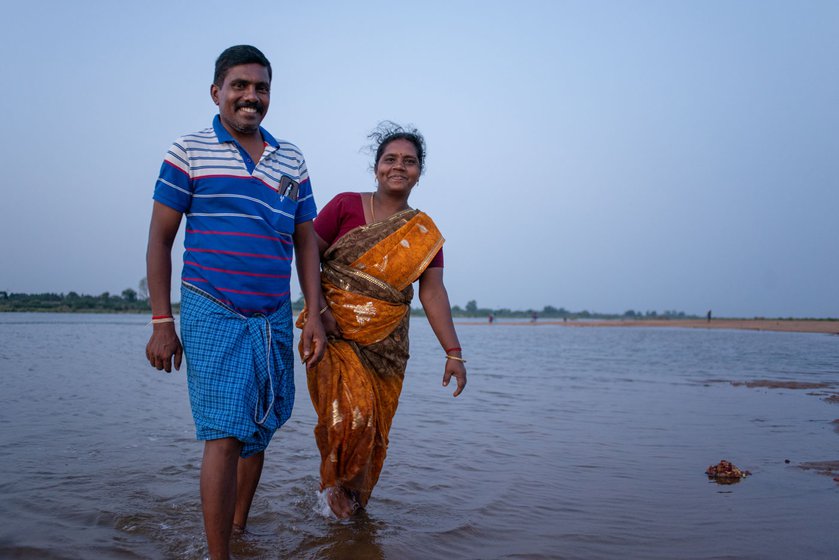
(240, 371)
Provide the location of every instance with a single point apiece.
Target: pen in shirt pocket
(288, 187)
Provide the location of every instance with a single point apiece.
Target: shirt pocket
(283, 214)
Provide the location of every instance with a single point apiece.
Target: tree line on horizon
(128, 301)
(471, 310)
(137, 301)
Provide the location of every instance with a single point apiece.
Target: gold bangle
(325, 307)
(455, 358)
(163, 320)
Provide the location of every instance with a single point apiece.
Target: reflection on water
(567, 443)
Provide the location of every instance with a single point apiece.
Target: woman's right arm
(435, 302)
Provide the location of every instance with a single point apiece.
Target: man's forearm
(308, 265)
(159, 278)
(164, 227)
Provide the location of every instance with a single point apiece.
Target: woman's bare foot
(340, 501)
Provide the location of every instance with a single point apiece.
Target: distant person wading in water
(373, 247)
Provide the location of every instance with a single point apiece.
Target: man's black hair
(236, 55)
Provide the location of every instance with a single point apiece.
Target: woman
(373, 247)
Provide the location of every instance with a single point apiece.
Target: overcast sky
(592, 155)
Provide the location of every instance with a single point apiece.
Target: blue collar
(224, 136)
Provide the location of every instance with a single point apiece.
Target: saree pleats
(366, 279)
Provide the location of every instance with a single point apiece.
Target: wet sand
(785, 325)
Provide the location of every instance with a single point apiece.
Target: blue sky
(597, 155)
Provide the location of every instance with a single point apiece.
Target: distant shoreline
(818, 326)
(826, 326)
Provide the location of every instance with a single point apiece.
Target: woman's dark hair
(388, 131)
(236, 55)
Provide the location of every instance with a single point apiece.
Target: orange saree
(366, 279)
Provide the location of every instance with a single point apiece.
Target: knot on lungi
(239, 369)
(259, 331)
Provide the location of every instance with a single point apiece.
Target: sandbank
(784, 325)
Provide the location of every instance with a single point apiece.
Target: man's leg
(218, 493)
(247, 479)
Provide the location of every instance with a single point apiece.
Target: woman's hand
(456, 369)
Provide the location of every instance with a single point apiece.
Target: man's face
(243, 98)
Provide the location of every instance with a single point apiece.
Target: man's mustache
(252, 104)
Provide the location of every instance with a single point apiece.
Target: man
(248, 204)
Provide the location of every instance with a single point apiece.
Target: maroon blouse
(346, 212)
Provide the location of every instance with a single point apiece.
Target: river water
(568, 443)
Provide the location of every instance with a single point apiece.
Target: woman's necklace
(372, 212)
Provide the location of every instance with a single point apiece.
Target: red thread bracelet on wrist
(455, 349)
(153, 317)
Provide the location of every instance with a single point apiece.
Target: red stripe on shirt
(199, 177)
(226, 271)
(240, 234)
(267, 185)
(238, 254)
(166, 161)
(252, 293)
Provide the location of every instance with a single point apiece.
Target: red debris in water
(726, 472)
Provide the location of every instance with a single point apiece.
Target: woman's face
(398, 168)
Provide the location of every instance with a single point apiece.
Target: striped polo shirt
(240, 215)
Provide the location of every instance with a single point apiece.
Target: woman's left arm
(435, 302)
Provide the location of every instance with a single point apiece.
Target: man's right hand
(330, 325)
(163, 346)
